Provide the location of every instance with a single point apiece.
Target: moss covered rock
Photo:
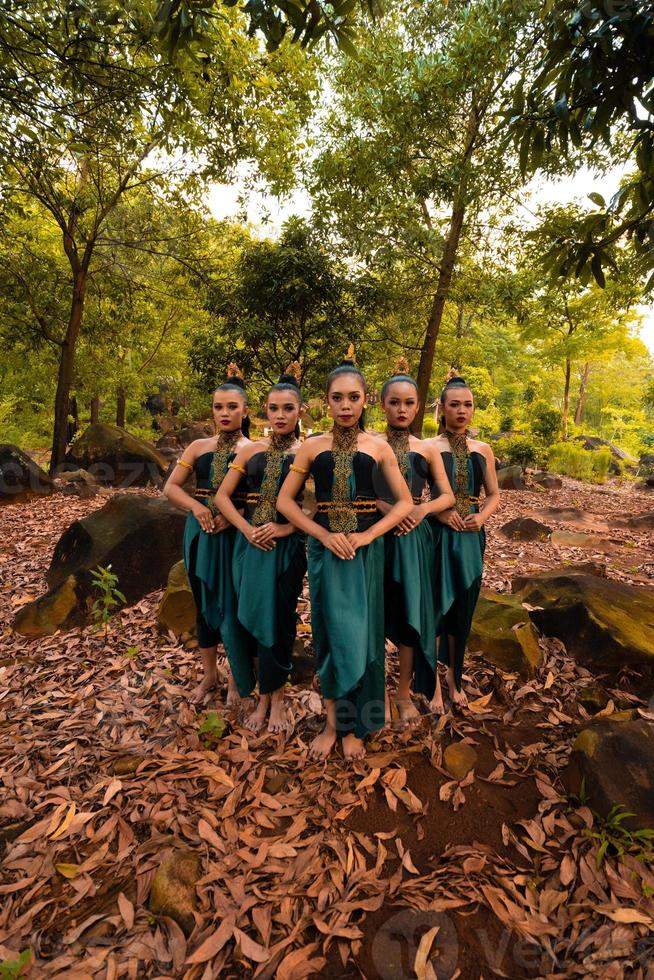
(140, 537)
(173, 888)
(45, 615)
(525, 529)
(20, 477)
(177, 610)
(613, 758)
(115, 457)
(603, 623)
(503, 632)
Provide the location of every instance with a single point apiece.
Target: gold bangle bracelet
(298, 469)
(238, 468)
(188, 466)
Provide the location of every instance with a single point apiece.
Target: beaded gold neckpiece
(266, 509)
(224, 448)
(459, 445)
(398, 440)
(342, 517)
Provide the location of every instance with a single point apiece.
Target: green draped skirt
(409, 600)
(208, 561)
(459, 567)
(268, 585)
(347, 617)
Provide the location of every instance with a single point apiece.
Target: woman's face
(400, 404)
(229, 410)
(346, 399)
(282, 411)
(458, 408)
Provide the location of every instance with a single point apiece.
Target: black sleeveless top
(365, 472)
(420, 478)
(256, 468)
(203, 479)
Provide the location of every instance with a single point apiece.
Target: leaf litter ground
(392, 868)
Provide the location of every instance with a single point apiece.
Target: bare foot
(233, 697)
(436, 705)
(200, 692)
(409, 714)
(459, 698)
(323, 743)
(256, 720)
(279, 720)
(353, 748)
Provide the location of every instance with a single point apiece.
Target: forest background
(427, 181)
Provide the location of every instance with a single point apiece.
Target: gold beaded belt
(417, 500)
(360, 506)
(253, 498)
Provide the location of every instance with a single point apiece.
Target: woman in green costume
(459, 533)
(269, 560)
(346, 561)
(409, 573)
(208, 537)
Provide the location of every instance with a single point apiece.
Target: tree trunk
(566, 399)
(95, 409)
(73, 420)
(120, 407)
(447, 264)
(436, 314)
(583, 390)
(65, 373)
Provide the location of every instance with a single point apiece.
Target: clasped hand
(211, 524)
(346, 545)
(471, 522)
(264, 535)
(411, 521)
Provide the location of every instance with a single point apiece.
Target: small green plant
(108, 596)
(12, 969)
(212, 727)
(617, 840)
(132, 653)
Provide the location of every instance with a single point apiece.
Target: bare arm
(397, 511)
(491, 501)
(175, 492)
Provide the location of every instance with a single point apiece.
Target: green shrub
(521, 451)
(545, 421)
(571, 460)
(602, 459)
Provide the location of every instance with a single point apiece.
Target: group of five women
(394, 549)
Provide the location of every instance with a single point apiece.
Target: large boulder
(113, 456)
(140, 537)
(594, 442)
(549, 481)
(604, 624)
(503, 632)
(525, 529)
(20, 477)
(511, 478)
(613, 758)
(178, 439)
(176, 610)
